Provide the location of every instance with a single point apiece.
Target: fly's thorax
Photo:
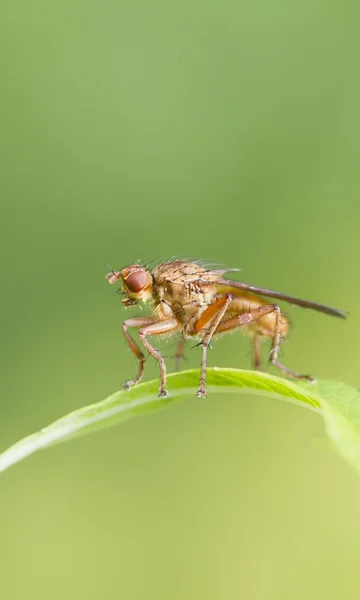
(183, 290)
(180, 270)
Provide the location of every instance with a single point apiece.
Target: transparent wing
(328, 310)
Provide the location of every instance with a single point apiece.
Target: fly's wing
(236, 285)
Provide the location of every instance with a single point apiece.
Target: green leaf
(338, 403)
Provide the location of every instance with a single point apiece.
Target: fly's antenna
(110, 269)
(113, 275)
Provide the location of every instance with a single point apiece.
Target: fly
(189, 300)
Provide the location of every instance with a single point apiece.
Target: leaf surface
(338, 403)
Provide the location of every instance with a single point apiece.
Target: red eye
(136, 281)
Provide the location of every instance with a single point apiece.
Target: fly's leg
(274, 352)
(158, 328)
(256, 352)
(255, 314)
(179, 353)
(213, 315)
(136, 322)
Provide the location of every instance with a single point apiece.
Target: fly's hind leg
(274, 352)
(246, 318)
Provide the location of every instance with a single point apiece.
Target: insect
(193, 301)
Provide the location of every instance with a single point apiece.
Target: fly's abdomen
(265, 325)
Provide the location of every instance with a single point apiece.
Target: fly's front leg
(136, 322)
(158, 328)
(213, 315)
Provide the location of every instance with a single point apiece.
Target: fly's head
(136, 284)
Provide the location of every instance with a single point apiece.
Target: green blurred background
(141, 130)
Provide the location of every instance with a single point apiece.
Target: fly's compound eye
(136, 281)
